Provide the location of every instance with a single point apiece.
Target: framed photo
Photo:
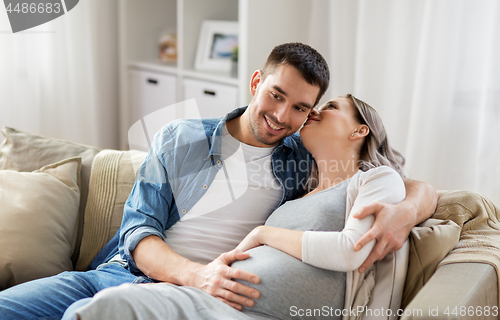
(216, 44)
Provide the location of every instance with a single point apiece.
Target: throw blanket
(479, 219)
(111, 180)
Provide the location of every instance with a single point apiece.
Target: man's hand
(393, 223)
(216, 277)
(391, 228)
(157, 260)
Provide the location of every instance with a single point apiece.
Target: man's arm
(151, 209)
(393, 223)
(157, 260)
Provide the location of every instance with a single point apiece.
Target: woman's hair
(376, 150)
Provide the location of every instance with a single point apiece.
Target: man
(181, 176)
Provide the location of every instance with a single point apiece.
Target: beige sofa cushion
(429, 243)
(38, 213)
(470, 226)
(23, 151)
(479, 219)
(111, 180)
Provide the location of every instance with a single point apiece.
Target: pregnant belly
(287, 284)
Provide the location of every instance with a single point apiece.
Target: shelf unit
(262, 25)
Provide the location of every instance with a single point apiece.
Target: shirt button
(205, 186)
(184, 211)
(219, 162)
(283, 150)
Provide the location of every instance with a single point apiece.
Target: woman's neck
(334, 169)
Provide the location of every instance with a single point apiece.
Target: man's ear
(256, 78)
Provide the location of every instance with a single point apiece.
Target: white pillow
(38, 212)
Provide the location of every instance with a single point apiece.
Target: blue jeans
(48, 298)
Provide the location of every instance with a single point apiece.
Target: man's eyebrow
(306, 105)
(279, 90)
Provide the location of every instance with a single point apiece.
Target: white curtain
(61, 78)
(432, 70)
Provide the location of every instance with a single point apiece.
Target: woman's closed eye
(329, 106)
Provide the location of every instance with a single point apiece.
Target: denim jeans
(48, 298)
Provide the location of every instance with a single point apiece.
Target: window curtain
(61, 78)
(432, 70)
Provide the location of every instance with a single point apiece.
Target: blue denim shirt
(182, 162)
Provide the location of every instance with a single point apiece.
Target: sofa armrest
(460, 285)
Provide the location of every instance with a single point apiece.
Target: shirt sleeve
(334, 250)
(149, 205)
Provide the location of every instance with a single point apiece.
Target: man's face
(280, 104)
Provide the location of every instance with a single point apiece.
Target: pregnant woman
(304, 255)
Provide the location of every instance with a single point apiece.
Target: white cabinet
(263, 24)
(212, 99)
(149, 92)
(152, 96)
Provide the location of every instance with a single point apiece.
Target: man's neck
(234, 128)
(240, 129)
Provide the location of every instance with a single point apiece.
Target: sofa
(61, 202)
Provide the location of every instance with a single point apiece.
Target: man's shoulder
(188, 127)
(295, 137)
(183, 132)
(294, 142)
(188, 124)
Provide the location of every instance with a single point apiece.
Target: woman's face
(333, 120)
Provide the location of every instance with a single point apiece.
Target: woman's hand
(252, 240)
(288, 241)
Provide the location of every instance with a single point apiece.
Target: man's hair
(309, 62)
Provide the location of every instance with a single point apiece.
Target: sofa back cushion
(25, 152)
(38, 212)
(111, 181)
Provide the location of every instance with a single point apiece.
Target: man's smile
(272, 125)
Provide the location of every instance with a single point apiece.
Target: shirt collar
(216, 145)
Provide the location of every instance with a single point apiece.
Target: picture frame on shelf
(216, 45)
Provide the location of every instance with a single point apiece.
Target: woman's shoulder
(381, 174)
(380, 171)
(378, 184)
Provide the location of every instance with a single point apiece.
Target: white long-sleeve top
(335, 250)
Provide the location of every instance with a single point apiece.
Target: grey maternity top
(287, 285)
